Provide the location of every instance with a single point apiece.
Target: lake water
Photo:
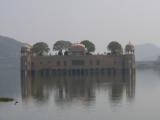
(80, 98)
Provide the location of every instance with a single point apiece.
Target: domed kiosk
(26, 50)
(77, 49)
(26, 58)
(129, 49)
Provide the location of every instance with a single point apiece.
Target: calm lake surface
(80, 98)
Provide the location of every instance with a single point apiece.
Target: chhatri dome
(77, 49)
(129, 49)
(26, 47)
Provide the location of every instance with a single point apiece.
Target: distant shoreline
(147, 64)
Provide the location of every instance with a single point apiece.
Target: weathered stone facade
(77, 64)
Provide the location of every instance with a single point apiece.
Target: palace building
(78, 62)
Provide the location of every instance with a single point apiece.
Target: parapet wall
(90, 64)
(92, 61)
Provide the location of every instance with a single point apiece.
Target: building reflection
(66, 89)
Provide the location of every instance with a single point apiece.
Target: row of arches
(90, 71)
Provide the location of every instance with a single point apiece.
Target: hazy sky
(98, 20)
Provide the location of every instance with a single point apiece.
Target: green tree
(115, 47)
(61, 45)
(40, 48)
(89, 45)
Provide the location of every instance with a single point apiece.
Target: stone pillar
(25, 60)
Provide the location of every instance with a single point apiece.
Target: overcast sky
(100, 21)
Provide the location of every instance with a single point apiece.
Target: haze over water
(82, 97)
(97, 97)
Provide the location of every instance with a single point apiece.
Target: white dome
(26, 45)
(77, 47)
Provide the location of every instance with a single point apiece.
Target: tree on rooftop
(115, 48)
(61, 45)
(40, 48)
(89, 45)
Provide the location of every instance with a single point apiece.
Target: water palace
(78, 62)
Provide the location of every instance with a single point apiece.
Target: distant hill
(147, 52)
(9, 52)
(9, 47)
(9, 66)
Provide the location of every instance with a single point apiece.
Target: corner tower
(25, 58)
(129, 58)
(129, 49)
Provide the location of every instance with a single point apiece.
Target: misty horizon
(97, 20)
(95, 80)
(96, 51)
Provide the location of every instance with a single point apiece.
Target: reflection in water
(76, 88)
